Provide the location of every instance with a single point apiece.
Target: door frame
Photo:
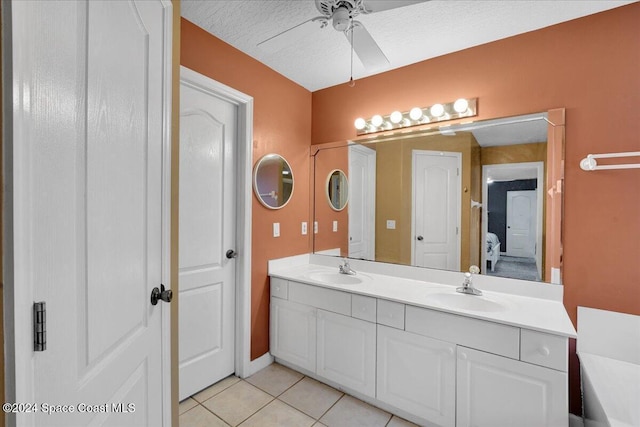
(243, 364)
(486, 170)
(458, 195)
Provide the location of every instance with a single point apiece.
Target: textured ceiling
(406, 35)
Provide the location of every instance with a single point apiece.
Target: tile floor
(279, 396)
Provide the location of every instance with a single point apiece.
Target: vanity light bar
(418, 116)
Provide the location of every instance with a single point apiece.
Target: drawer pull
(544, 351)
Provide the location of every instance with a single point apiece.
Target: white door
(521, 223)
(495, 391)
(208, 134)
(436, 209)
(362, 202)
(92, 86)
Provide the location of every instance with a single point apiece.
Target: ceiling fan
(341, 13)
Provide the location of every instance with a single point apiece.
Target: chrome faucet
(467, 285)
(345, 268)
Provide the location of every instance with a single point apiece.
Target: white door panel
(91, 144)
(436, 213)
(208, 126)
(362, 204)
(521, 223)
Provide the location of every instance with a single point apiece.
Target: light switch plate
(335, 226)
(276, 229)
(304, 228)
(391, 224)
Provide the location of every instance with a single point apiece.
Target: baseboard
(575, 421)
(258, 364)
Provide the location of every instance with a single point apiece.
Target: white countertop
(539, 314)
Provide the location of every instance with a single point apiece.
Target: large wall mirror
(484, 193)
(273, 181)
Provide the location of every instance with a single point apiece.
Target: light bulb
(461, 105)
(395, 117)
(360, 123)
(376, 120)
(415, 113)
(437, 110)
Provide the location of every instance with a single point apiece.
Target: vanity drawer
(390, 313)
(363, 308)
(479, 334)
(544, 349)
(316, 296)
(279, 288)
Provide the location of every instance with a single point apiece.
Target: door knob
(420, 238)
(231, 254)
(163, 294)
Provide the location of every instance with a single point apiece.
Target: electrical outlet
(276, 229)
(304, 228)
(335, 226)
(315, 227)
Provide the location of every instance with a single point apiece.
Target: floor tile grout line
(315, 420)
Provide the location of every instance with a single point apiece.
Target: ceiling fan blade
(366, 48)
(373, 6)
(290, 36)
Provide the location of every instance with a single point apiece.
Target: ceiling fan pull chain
(351, 82)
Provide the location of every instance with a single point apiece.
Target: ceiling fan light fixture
(341, 19)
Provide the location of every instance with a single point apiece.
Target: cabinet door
(347, 351)
(495, 391)
(293, 333)
(417, 374)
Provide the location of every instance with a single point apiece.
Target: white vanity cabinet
(314, 330)
(293, 333)
(432, 367)
(346, 351)
(417, 374)
(494, 391)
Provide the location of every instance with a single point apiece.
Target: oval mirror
(337, 190)
(273, 181)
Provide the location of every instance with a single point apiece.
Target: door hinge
(39, 326)
(457, 171)
(456, 231)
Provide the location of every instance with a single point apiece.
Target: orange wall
(281, 124)
(591, 66)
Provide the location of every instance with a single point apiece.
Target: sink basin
(335, 278)
(468, 302)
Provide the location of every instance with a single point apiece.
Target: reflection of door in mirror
(514, 216)
(362, 202)
(435, 214)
